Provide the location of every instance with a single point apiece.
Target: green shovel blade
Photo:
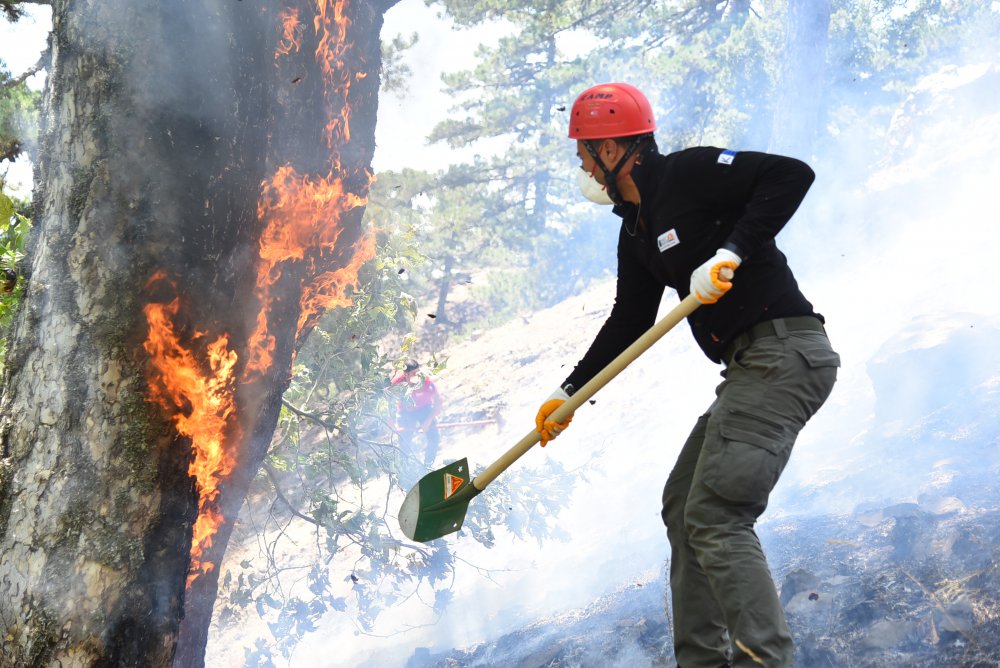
(437, 504)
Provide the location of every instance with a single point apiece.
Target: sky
(404, 119)
(22, 42)
(20, 46)
(901, 262)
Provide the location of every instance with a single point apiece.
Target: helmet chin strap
(611, 175)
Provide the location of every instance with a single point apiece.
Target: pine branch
(312, 417)
(21, 78)
(13, 12)
(281, 497)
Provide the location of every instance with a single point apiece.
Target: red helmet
(610, 110)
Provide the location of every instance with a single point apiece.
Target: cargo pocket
(744, 464)
(816, 387)
(817, 358)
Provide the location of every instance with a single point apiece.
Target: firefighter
(417, 411)
(685, 218)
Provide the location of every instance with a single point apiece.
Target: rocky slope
(884, 532)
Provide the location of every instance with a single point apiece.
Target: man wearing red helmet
(685, 217)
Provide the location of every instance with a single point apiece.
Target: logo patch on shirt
(726, 157)
(667, 240)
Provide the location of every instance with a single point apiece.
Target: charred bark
(297, 130)
(161, 122)
(144, 162)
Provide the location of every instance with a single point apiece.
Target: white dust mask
(591, 189)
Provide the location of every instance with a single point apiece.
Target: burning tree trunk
(327, 65)
(201, 181)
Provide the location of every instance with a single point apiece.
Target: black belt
(778, 327)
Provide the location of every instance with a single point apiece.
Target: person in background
(417, 411)
(687, 219)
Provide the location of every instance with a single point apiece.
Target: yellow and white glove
(706, 284)
(549, 429)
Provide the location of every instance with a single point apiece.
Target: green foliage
(333, 460)
(12, 9)
(878, 50)
(18, 104)
(326, 450)
(258, 657)
(18, 117)
(507, 226)
(395, 72)
(14, 228)
(525, 503)
(494, 219)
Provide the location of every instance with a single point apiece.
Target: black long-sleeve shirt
(694, 202)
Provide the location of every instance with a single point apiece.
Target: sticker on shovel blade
(451, 484)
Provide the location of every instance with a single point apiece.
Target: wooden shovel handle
(581, 396)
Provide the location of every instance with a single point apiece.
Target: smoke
(894, 245)
(901, 276)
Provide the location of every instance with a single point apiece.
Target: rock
(912, 536)
(888, 634)
(944, 505)
(811, 603)
(796, 582)
(809, 651)
(420, 658)
(903, 510)
(871, 518)
(956, 619)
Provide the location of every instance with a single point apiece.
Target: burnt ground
(911, 584)
(888, 558)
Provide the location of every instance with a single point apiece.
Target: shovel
(437, 504)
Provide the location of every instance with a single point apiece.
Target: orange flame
(291, 32)
(301, 216)
(200, 402)
(329, 289)
(332, 28)
(301, 211)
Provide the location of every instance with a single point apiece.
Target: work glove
(706, 284)
(549, 429)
